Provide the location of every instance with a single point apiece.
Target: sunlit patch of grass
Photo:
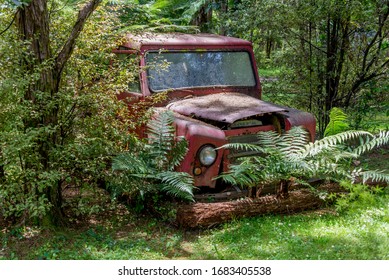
(361, 235)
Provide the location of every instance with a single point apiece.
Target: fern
(331, 143)
(245, 173)
(338, 122)
(289, 155)
(177, 184)
(150, 169)
(244, 147)
(373, 142)
(293, 142)
(373, 175)
(161, 134)
(177, 153)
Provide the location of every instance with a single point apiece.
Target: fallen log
(210, 214)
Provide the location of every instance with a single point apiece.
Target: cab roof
(181, 40)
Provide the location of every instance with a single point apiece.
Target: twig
(9, 25)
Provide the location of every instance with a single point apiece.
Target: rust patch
(225, 107)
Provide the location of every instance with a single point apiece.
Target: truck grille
(246, 138)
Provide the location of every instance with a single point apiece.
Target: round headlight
(207, 155)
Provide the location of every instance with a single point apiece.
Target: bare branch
(68, 47)
(378, 36)
(308, 42)
(9, 25)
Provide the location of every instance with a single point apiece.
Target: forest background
(59, 128)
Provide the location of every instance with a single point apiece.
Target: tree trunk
(33, 25)
(203, 17)
(223, 14)
(211, 214)
(2, 171)
(269, 45)
(337, 47)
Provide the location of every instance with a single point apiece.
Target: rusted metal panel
(168, 40)
(296, 117)
(223, 107)
(197, 134)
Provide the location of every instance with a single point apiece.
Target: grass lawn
(362, 233)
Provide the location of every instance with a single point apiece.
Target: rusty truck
(214, 91)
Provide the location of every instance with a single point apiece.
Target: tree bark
(207, 215)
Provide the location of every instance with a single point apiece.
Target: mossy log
(210, 214)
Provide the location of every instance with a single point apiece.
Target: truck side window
(130, 63)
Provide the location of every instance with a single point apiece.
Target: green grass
(326, 234)
(301, 237)
(269, 72)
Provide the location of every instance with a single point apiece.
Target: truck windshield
(174, 70)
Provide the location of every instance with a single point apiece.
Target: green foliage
(74, 146)
(371, 110)
(278, 159)
(149, 168)
(17, 3)
(288, 156)
(337, 123)
(330, 54)
(155, 16)
(358, 198)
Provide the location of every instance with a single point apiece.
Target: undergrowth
(354, 228)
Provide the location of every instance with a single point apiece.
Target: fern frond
(293, 141)
(338, 122)
(130, 163)
(247, 147)
(371, 143)
(268, 139)
(248, 172)
(373, 175)
(178, 184)
(161, 134)
(177, 153)
(325, 144)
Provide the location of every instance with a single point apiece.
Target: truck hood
(225, 107)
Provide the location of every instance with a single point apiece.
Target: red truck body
(215, 93)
